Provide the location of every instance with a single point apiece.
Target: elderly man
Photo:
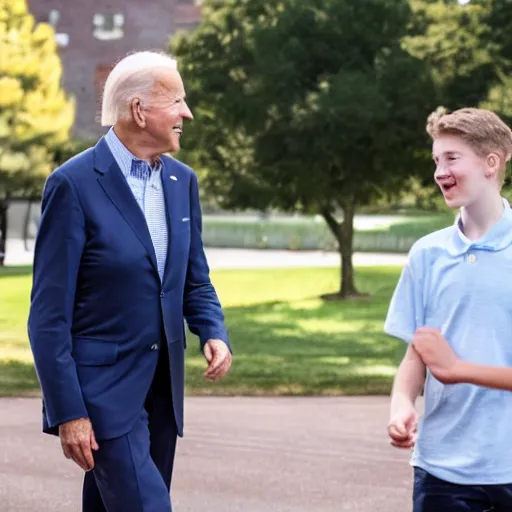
(119, 263)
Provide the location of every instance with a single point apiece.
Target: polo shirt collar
(499, 237)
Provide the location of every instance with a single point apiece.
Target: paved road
(249, 258)
(238, 455)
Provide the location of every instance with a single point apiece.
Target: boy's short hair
(481, 129)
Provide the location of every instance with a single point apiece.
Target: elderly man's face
(166, 112)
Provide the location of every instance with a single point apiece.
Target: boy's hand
(437, 354)
(403, 426)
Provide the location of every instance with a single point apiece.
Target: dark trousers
(434, 495)
(133, 473)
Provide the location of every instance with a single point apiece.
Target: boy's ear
(493, 162)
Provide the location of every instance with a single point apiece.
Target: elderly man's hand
(437, 354)
(219, 359)
(78, 441)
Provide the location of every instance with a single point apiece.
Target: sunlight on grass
(375, 370)
(14, 340)
(196, 363)
(341, 360)
(9, 353)
(285, 332)
(286, 340)
(334, 326)
(250, 287)
(303, 305)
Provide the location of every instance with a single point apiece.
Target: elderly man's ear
(138, 114)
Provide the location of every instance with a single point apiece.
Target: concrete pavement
(249, 258)
(239, 455)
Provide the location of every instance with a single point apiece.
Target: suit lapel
(116, 187)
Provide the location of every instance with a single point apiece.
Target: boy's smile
(461, 174)
(447, 186)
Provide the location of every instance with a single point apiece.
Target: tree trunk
(344, 234)
(347, 285)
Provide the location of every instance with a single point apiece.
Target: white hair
(133, 76)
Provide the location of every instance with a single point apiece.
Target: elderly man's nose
(186, 112)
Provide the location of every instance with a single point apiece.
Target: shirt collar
(123, 155)
(499, 237)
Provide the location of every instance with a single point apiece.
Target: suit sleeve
(58, 250)
(202, 309)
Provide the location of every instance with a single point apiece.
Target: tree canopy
(453, 40)
(314, 106)
(35, 113)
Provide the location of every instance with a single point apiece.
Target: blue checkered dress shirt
(146, 184)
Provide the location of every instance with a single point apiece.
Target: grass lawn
(285, 339)
(419, 226)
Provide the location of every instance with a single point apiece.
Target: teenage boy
(457, 286)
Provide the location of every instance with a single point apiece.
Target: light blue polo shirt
(464, 289)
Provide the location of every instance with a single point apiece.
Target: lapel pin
(174, 178)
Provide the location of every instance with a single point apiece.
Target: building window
(108, 27)
(53, 17)
(61, 38)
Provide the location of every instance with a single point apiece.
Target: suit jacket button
(154, 347)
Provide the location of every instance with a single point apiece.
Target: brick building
(93, 34)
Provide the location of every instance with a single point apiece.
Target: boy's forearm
(409, 380)
(481, 375)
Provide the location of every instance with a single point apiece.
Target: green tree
(306, 106)
(35, 114)
(452, 38)
(467, 46)
(499, 40)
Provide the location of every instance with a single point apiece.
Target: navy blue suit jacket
(98, 310)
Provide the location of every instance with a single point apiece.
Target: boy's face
(462, 175)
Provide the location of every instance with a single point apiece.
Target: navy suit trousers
(133, 473)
